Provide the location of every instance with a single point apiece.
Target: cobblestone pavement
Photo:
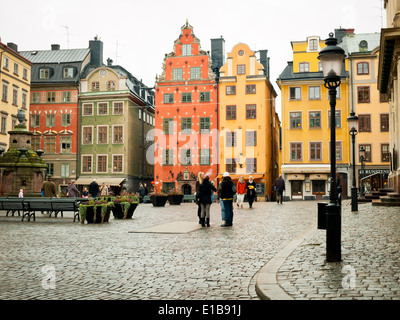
(370, 267)
(108, 262)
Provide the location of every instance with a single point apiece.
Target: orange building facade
(186, 117)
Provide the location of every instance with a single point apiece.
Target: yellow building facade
(15, 80)
(305, 116)
(249, 125)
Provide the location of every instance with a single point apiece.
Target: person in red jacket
(240, 190)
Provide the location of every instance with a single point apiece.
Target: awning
(319, 176)
(108, 181)
(245, 176)
(296, 176)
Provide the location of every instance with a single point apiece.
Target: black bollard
(333, 233)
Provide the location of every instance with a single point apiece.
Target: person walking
(93, 189)
(251, 191)
(199, 181)
(279, 188)
(72, 191)
(240, 190)
(49, 187)
(103, 190)
(221, 203)
(142, 192)
(227, 198)
(205, 190)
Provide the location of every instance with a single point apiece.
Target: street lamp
(362, 159)
(352, 120)
(331, 58)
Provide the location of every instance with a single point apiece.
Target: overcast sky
(137, 34)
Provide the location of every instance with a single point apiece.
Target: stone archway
(186, 189)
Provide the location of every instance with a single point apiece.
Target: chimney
(109, 62)
(96, 52)
(55, 47)
(217, 54)
(341, 33)
(264, 60)
(12, 46)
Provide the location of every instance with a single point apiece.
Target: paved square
(172, 227)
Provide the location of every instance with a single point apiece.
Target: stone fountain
(20, 166)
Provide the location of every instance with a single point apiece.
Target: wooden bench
(59, 205)
(189, 198)
(15, 205)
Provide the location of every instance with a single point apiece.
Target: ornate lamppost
(362, 153)
(332, 58)
(352, 120)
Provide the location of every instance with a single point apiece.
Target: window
(50, 120)
(15, 96)
(313, 45)
(110, 85)
(204, 157)
(296, 153)
(186, 125)
(102, 134)
(95, 85)
(363, 68)
(87, 163)
(168, 98)
(251, 165)
(295, 93)
(51, 97)
(35, 97)
(205, 97)
(65, 170)
(65, 144)
(231, 139)
(295, 120)
(230, 165)
(363, 94)
(250, 88)
(102, 163)
(385, 122)
(186, 97)
(66, 96)
(186, 49)
(367, 148)
(44, 74)
(250, 111)
(68, 73)
(25, 74)
(177, 74)
(35, 143)
(186, 157)
(65, 119)
(35, 120)
(383, 97)
(195, 73)
(241, 69)
(50, 169)
(384, 152)
(87, 135)
(6, 62)
(168, 157)
(118, 134)
(87, 109)
(251, 138)
(314, 93)
(338, 118)
(4, 95)
(168, 125)
(315, 119)
(315, 151)
(24, 99)
(117, 163)
(304, 67)
(3, 124)
(230, 112)
(364, 123)
(230, 90)
(118, 108)
(205, 125)
(102, 108)
(50, 144)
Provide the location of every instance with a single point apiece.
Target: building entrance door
(318, 188)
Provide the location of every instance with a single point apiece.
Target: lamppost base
(333, 233)
(354, 200)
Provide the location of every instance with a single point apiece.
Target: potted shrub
(175, 197)
(158, 199)
(124, 206)
(95, 211)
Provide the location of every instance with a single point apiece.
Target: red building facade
(186, 126)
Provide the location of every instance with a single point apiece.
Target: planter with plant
(95, 211)
(158, 199)
(175, 197)
(124, 206)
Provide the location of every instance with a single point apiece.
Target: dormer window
(313, 44)
(68, 72)
(304, 67)
(363, 46)
(44, 73)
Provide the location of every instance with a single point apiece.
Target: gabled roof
(56, 56)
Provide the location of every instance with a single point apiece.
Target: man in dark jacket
(93, 189)
(279, 187)
(205, 190)
(226, 195)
